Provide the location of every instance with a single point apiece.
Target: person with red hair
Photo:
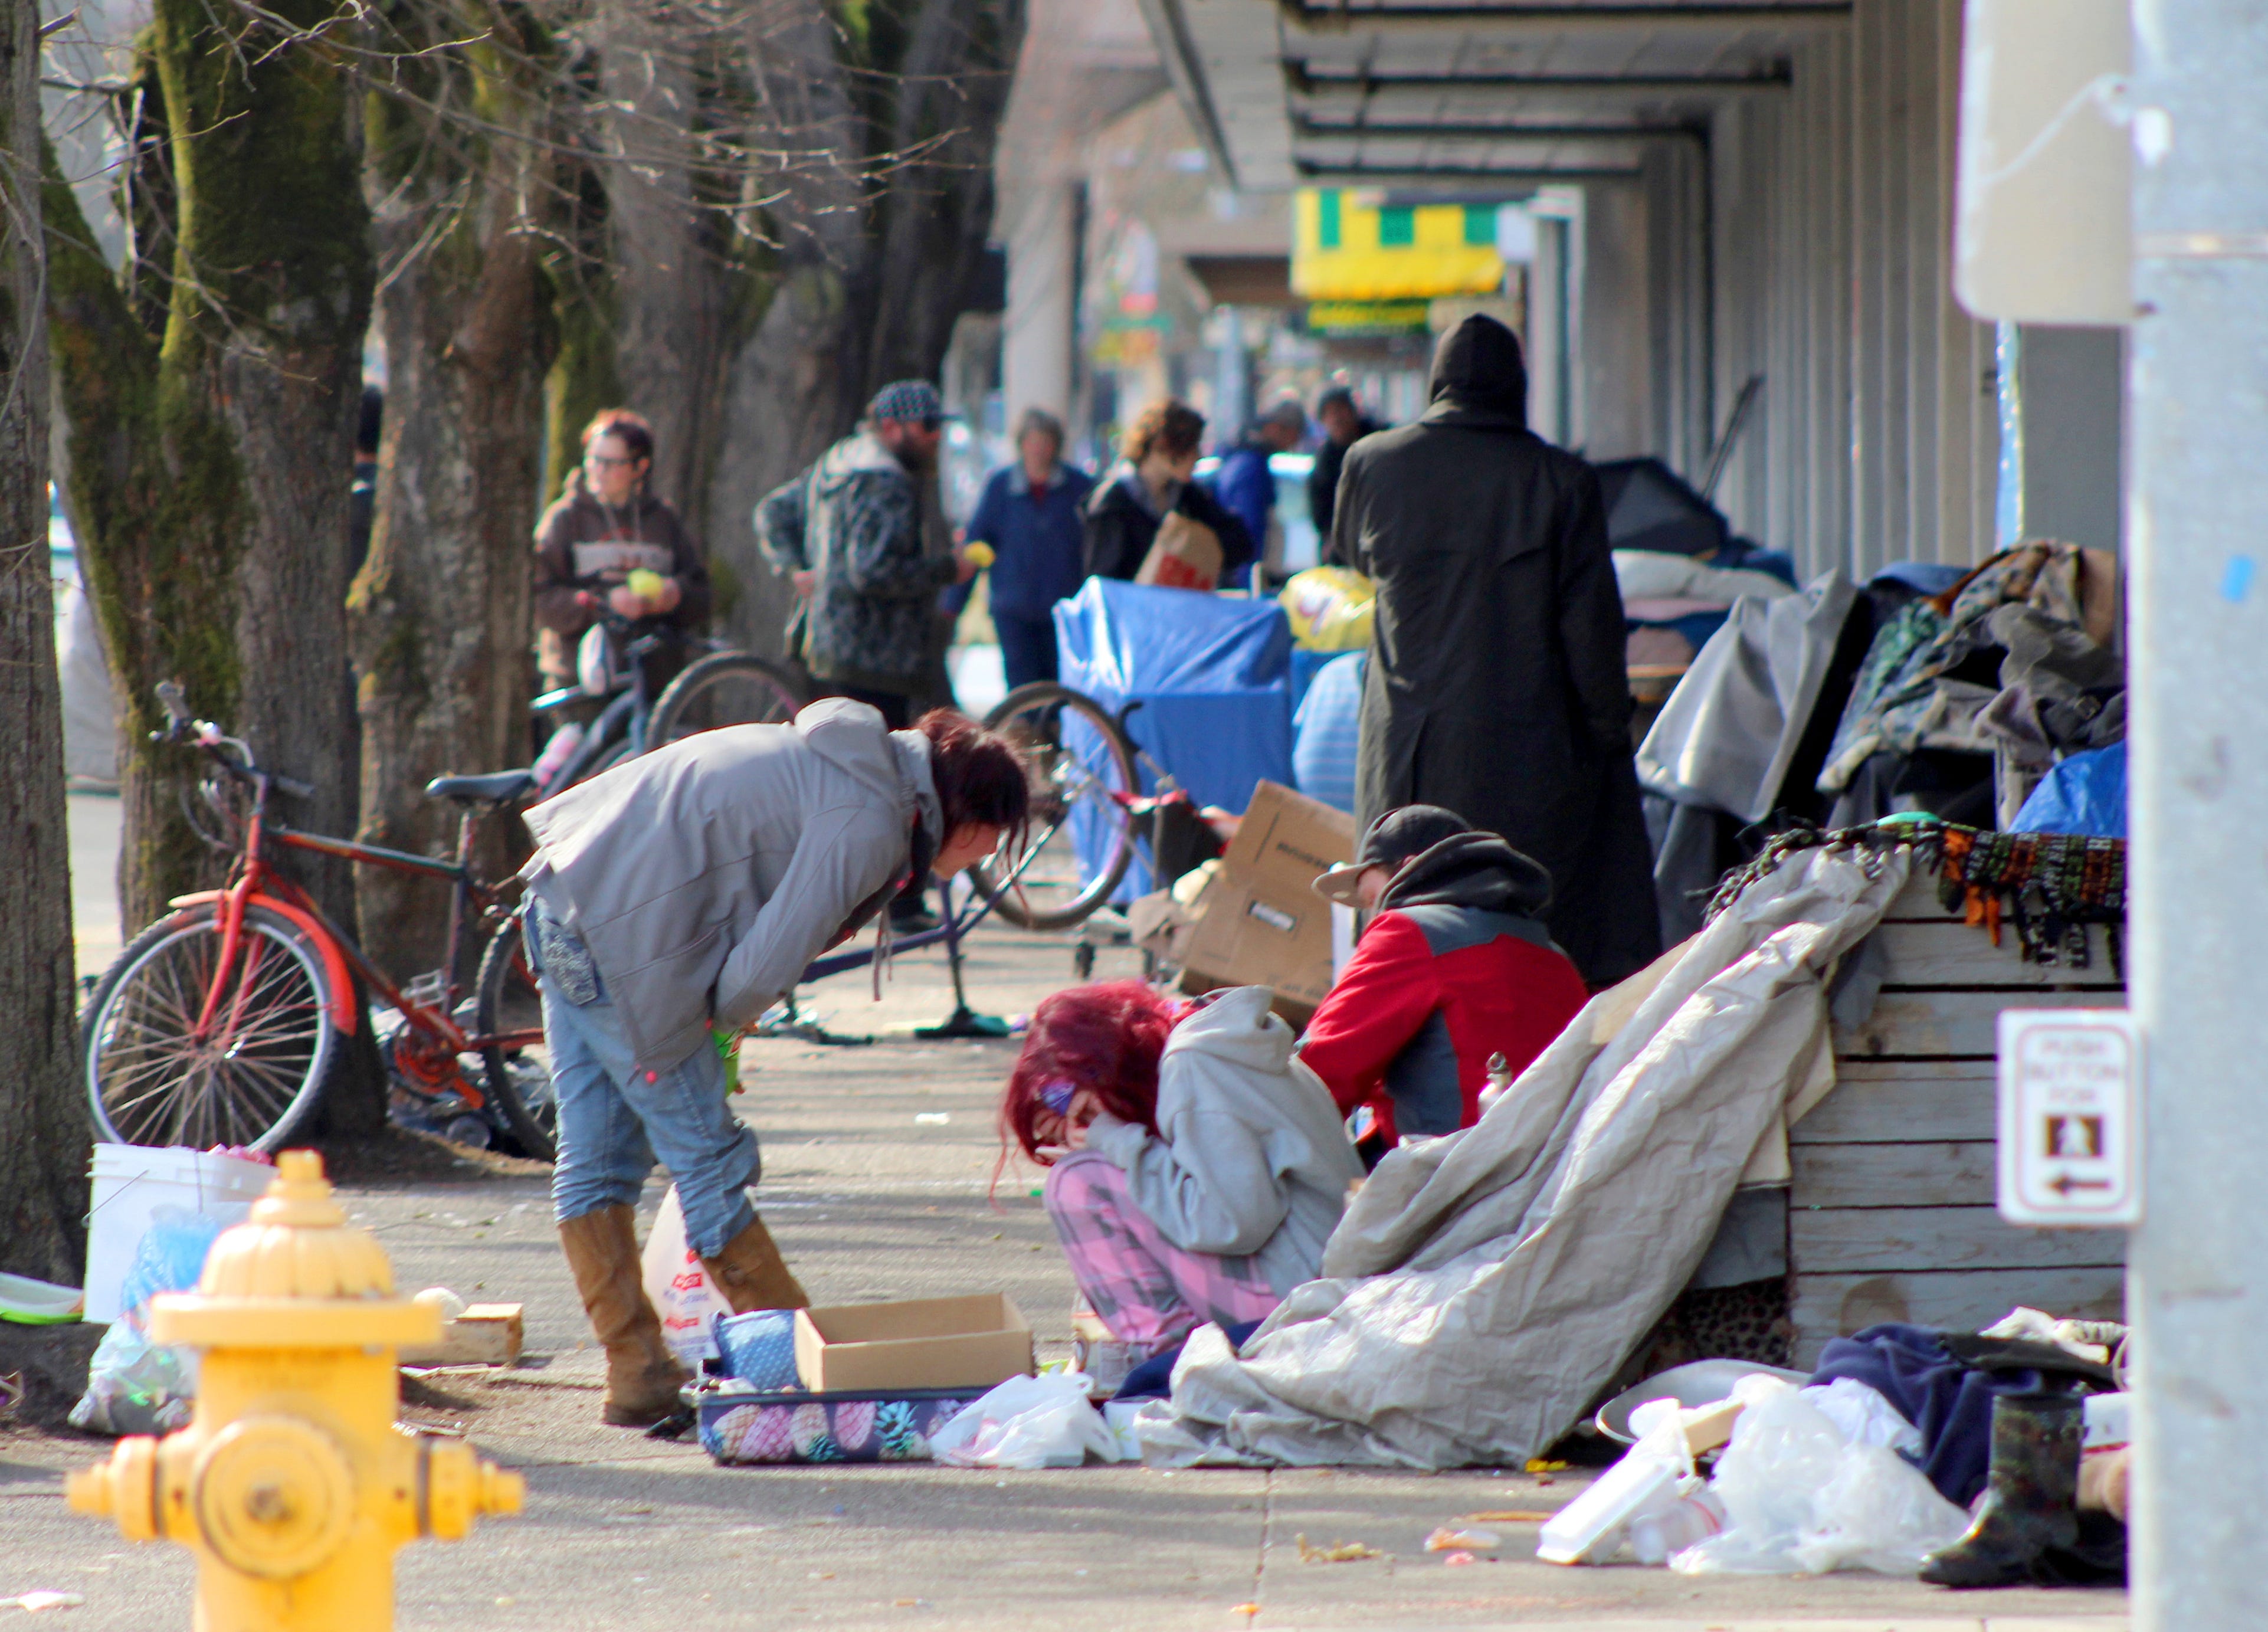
(1194, 1167)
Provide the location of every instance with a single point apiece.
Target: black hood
(1476, 869)
(1478, 366)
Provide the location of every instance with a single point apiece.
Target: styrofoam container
(131, 1182)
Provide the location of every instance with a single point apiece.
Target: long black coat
(1497, 686)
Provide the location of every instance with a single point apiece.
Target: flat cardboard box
(1260, 922)
(484, 1335)
(929, 1343)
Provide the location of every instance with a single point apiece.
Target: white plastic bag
(678, 1286)
(1027, 1422)
(1862, 1416)
(1803, 1499)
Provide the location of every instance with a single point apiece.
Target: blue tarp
(1212, 675)
(2085, 793)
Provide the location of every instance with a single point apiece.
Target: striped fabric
(1325, 732)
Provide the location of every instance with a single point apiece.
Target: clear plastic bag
(1029, 1422)
(1803, 1499)
(133, 1385)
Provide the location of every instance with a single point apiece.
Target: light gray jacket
(704, 876)
(1250, 1156)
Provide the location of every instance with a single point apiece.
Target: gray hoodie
(704, 876)
(1250, 1156)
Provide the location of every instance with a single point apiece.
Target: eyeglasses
(604, 462)
(932, 422)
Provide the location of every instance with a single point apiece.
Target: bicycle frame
(257, 882)
(957, 924)
(624, 718)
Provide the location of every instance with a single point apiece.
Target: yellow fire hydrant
(291, 1484)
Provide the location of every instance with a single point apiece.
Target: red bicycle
(221, 1023)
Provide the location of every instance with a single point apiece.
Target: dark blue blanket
(1949, 1402)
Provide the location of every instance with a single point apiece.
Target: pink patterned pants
(1142, 1286)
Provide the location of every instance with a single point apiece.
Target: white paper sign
(2070, 1117)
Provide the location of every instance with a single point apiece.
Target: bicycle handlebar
(182, 726)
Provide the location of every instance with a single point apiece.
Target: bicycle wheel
(724, 689)
(253, 1079)
(1079, 768)
(518, 1078)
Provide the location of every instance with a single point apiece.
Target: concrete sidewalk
(622, 1533)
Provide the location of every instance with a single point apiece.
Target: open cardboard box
(929, 1343)
(1261, 922)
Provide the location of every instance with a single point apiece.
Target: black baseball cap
(1387, 842)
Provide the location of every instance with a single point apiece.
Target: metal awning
(1525, 92)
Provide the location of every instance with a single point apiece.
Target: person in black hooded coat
(1497, 684)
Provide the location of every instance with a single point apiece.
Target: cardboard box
(930, 1342)
(1261, 921)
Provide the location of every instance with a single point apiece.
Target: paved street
(624, 1532)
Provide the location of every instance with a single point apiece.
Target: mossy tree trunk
(44, 1127)
(674, 272)
(210, 462)
(441, 611)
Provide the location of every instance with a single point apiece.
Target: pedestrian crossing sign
(2070, 1117)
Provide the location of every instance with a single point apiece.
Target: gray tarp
(1486, 1284)
(1726, 735)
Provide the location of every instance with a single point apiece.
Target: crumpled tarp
(1728, 732)
(1484, 1286)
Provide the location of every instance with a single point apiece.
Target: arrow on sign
(2063, 1184)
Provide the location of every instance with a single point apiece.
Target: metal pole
(2197, 1280)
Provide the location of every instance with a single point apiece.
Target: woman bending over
(1196, 1168)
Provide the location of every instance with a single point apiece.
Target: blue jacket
(1247, 486)
(1040, 543)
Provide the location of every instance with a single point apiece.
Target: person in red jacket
(1455, 967)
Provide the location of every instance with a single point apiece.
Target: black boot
(2031, 1496)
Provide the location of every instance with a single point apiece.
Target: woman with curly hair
(1194, 1168)
(1155, 477)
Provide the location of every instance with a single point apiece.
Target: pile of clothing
(1930, 688)
(2014, 667)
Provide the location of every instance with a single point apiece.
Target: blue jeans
(1028, 648)
(615, 1117)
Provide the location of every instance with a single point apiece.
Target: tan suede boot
(750, 1274)
(642, 1376)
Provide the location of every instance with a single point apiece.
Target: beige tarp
(1484, 1286)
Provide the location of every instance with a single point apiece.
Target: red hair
(1107, 1039)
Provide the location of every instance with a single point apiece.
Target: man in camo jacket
(848, 531)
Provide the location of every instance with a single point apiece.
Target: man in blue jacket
(1029, 513)
(1244, 482)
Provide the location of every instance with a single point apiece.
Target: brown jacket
(583, 545)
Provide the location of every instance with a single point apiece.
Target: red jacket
(1435, 987)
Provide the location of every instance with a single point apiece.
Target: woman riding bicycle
(606, 525)
(677, 897)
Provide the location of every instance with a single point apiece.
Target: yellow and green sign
(1349, 246)
(1368, 317)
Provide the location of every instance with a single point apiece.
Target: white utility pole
(2197, 526)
